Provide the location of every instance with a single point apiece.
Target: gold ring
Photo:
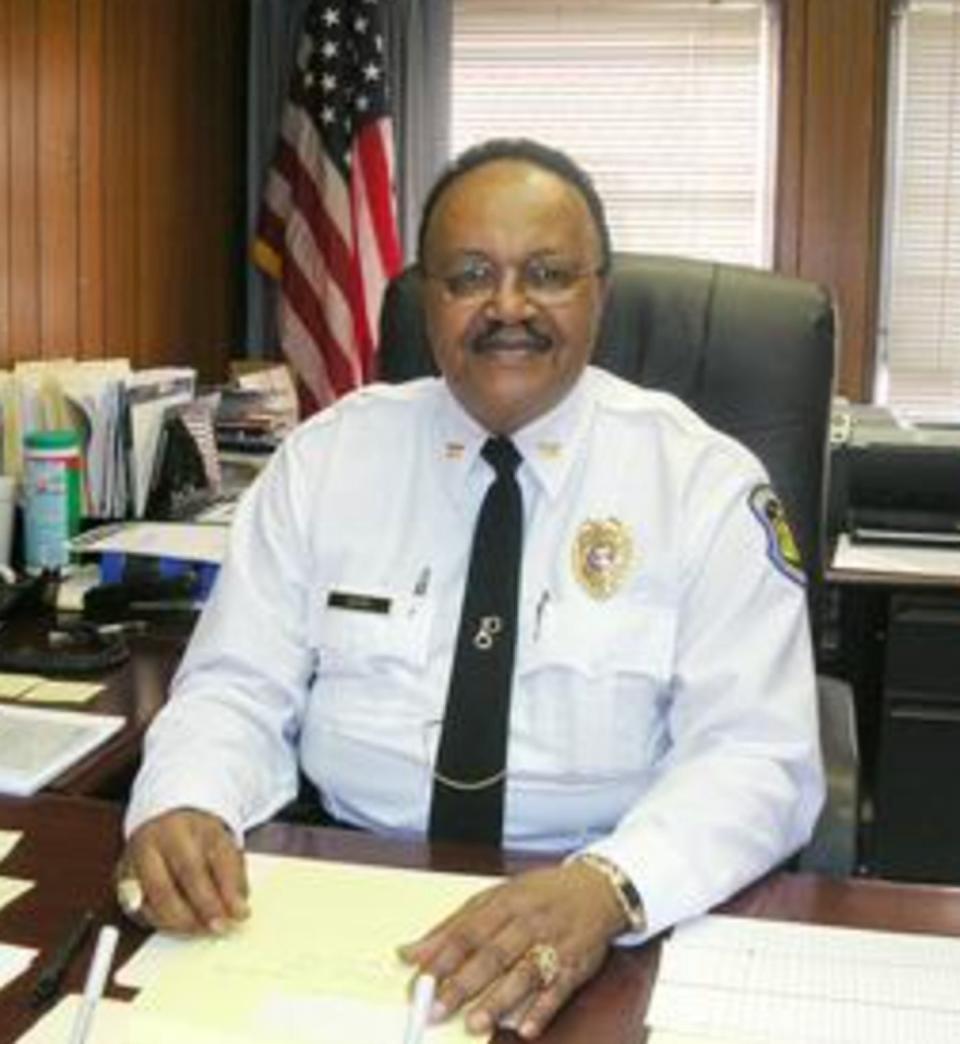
(546, 961)
(130, 896)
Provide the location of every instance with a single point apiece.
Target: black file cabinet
(916, 833)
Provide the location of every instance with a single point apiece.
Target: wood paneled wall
(831, 169)
(122, 179)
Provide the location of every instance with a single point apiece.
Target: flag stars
(343, 76)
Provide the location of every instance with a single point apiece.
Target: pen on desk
(419, 1013)
(96, 981)
(52, 973)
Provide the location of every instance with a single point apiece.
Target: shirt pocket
(356, 630)
(602, 639)
(596, 684)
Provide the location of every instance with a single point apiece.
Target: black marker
(51, 976)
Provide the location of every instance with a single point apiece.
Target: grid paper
(788, 982)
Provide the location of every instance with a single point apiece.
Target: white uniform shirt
(670, 726)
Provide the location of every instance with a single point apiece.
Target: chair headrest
(749, 350)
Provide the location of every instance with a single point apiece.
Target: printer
(892, 481)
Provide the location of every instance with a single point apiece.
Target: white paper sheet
(9, 839)
(755, 980)
(14, 960)
(896, 559)
(184, 540)
(110, 1023)
(316, 962)
(37, 744)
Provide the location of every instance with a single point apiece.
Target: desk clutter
(331, 905)
(138, 452)
(98, 440)
(315, 964)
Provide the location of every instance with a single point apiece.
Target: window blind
(668, 104)
(919, 342)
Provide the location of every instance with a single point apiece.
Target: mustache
(491, 336)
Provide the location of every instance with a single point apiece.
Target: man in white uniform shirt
(662, 738)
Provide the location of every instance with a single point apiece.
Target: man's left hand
(520, 949)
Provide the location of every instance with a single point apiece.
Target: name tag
(358, 603)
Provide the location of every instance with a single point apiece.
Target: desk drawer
(923, 649)
(916, 833)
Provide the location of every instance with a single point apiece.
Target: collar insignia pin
(602, 556)
(454, 450)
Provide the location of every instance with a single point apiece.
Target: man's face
(512, 295)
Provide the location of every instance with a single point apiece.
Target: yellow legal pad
(314, 964)
(48, 691)
(13, 686)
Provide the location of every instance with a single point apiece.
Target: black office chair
(753, 353)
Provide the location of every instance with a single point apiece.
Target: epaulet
(363, 398)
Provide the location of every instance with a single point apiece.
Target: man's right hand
(190, 870)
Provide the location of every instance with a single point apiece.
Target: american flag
(327, 228)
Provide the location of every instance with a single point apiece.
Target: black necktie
(471, 761)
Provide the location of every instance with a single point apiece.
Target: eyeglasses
(476, 279)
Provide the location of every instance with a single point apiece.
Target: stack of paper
(119, 415)
(315, 964)
(185, 541)
(37, 745)
(747, 980)
(32, 688)
(14, 960)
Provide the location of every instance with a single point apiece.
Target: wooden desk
(136, 691)
(72, 843)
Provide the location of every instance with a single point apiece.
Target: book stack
(257, 409)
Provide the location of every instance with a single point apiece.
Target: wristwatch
(627, 895)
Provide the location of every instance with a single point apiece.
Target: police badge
(602, 555)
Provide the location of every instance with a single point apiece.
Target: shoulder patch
(782, 549)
